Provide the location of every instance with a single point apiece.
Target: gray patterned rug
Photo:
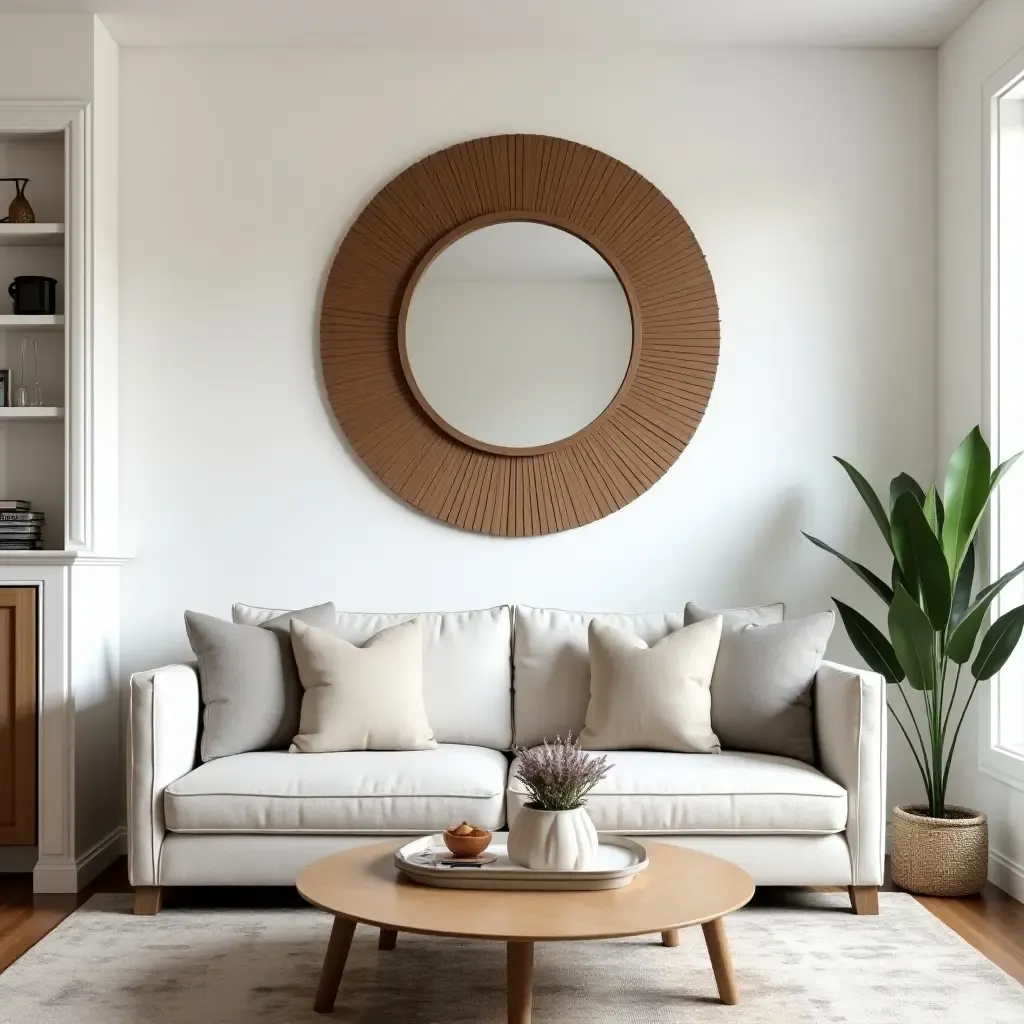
(807, 964)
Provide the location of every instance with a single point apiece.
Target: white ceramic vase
(553, 840)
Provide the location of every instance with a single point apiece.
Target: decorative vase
(939, 856)
(20, 211)
(553, 840)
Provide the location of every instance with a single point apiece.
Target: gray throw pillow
(250, 685)
(761, 691)
(733, 621)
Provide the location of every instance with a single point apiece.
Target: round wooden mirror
(519, 335)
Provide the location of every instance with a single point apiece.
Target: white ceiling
(482, 23)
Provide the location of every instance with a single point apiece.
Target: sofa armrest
(850, 719)
(163, 724)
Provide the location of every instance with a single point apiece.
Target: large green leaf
(903, 484)
(1001, 470)
(961, 640)
(879, 586)
(931, 508)
(921, 559)
(965, 495)
(913, 640)
(871, 643)
(904, 549)
(998, 643)
(962, 591)
(867, 492)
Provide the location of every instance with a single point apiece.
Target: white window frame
(995, 760)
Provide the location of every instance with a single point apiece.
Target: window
(1001, 746)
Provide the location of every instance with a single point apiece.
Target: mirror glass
(518, 335)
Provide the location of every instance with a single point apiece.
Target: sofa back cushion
(467, 675)
(551, 666)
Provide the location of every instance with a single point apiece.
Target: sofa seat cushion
(403, 791)
(728, 793)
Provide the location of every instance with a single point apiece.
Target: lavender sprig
(558, 776)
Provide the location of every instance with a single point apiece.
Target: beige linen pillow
(652, 698)
(361, 698)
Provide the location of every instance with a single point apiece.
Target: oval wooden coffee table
(680, 888)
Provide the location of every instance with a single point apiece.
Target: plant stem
(952, 698)
(952, 745)
(917, 729)
(928, 696)
(920, 766)
(938, 789)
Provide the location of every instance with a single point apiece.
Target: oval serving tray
(619, 861)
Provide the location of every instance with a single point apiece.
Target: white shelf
(31, 412)
(12, 321)
(32, 234)
(51, 556)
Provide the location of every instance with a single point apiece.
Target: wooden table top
(680, 887)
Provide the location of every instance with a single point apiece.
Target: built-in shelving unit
(40, 322)
(34, 348)
(32, 234)
(61, 457)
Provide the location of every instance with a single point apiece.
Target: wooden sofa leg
(864, 899)
(670, 938)
(148, 899)
(388, 939)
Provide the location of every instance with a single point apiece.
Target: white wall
(973, 54)
(105, 281)
(807, 176)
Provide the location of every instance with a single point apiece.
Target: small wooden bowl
(466, 846)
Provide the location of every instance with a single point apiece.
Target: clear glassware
(20, 392)
(36, 397)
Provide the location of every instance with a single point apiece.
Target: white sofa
(490, 678)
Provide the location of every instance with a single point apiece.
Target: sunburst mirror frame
(656, 410)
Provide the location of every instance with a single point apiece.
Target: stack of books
(21, 529)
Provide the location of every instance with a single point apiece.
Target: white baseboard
(73, 877)
(1007, 874)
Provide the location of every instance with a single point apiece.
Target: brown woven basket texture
(939, 856)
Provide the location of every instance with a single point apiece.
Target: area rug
(812, 963)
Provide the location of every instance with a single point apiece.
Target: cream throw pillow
(652, 698)
(361, 698)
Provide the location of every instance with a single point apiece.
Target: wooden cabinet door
(17, 716)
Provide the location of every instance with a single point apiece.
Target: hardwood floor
(993, 923)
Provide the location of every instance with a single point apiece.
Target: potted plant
(553, 832)
(933, 629)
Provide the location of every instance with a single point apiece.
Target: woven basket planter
(939, 856)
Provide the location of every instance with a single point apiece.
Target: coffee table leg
(334, 964)
(721, 961)
(670, 938)
(388, 939)
(520, 982)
